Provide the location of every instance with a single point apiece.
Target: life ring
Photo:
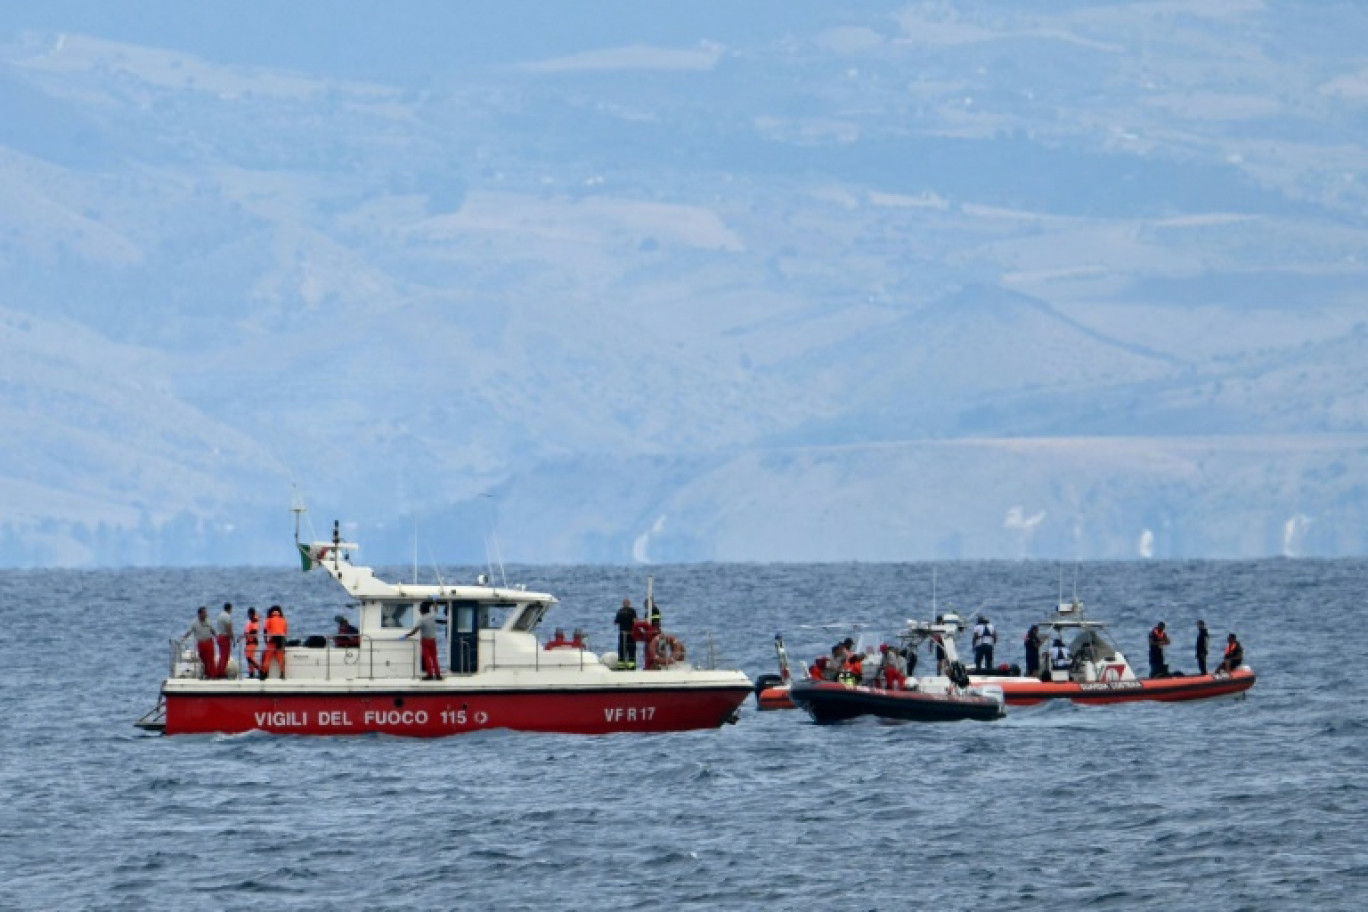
(667, 650)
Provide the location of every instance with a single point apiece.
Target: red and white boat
(498, 674)
(1097, 671)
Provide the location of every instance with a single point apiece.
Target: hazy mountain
(714, 282)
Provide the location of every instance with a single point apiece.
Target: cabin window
(530, 617)
(396, 614)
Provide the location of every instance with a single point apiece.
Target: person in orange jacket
(251, 639)
(276, 629)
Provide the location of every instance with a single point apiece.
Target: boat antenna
(298, 508)
(436, 570)
(491, 537)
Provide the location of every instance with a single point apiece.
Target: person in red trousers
(223, 635)
(203, 632)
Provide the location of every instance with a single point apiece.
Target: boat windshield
(1092, 645)
(529, 616)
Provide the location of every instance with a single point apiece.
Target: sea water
(1253, 803)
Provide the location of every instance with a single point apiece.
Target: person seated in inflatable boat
(1234, 656)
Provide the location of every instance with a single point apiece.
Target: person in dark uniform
(1158, 640)
(653, 613)
(626, 617)
(1033, 643)
(1201, 647)
(985, 638)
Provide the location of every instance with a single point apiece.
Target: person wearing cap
(985, 638)
(203, 632)
(251, 639)
(347, 637)
(426, 631)
(1201, 647)
(1234, 656)
(277, 628)
(223, 636)
(1158, 640)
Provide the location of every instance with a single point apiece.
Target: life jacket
(276, 625)
(250, 632)
(1232, 649)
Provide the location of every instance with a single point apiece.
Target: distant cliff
(938, 281)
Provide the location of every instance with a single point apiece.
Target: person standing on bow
(251, 639)
(426, 630)
(203, 632)
(223, 635)
(1158, 641)
(276, 630)
(985, 638)
(1201, 647)
(1033, 644)
(625, 619)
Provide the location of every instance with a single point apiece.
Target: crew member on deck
(1060, 660)
(653, 613)
(1033, 644)
(1201, 647)
(276, 630)
(1158, 640)
(1234, 656)
(985, 638)
(251, 639)
(426, 630)
(625, 619)
(203, 632)
(347, 636)
(223, 635)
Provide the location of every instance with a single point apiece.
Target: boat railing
(320, 656)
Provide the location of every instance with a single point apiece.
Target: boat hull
(1030, 691)
(828, 701)
(438, 710)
